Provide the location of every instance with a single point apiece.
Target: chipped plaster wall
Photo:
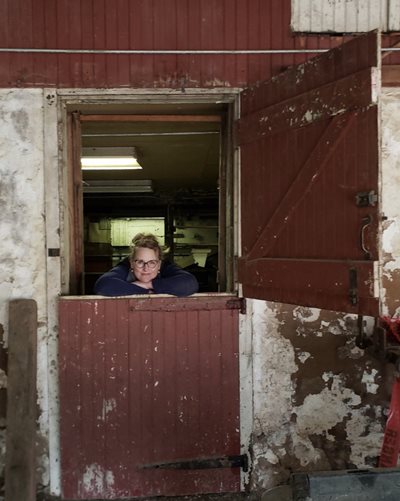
(23, 228)
(318, 399)
(390, 199)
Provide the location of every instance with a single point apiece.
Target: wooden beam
(20, 471)
(391, 75)
(151, 118)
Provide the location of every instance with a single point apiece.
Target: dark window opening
(179, 193)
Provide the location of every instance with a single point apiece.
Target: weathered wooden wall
(49, 28)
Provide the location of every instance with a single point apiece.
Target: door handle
(366, 221)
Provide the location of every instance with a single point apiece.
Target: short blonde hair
(146, 240)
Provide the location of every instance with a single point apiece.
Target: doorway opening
(182, 190)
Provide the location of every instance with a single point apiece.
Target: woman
(144, 272)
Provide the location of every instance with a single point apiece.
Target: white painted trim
(246, 386)
(53, 267)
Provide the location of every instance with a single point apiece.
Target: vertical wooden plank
(164, 35)
(20, 471)
(135, 395)
(75, 205)
(123, 41)
(194, 41)
(142, 36)
(87, 37)
(230, 375)
(241, 40)
(70, 364)
(89, 407)
(99, 42)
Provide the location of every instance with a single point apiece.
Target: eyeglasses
(139, 263)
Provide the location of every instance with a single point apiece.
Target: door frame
(74, 100)
(69, 100)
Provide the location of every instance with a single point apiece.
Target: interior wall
(319, 400)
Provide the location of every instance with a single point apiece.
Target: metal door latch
(366, 199)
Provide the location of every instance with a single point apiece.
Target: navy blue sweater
(171, 280)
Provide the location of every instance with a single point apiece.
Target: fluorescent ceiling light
(109, 159)
(123, 186)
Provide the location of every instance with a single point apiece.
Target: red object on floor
(391, 441)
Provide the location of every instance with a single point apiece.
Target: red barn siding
(147, 25)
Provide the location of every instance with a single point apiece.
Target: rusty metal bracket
(366, 199)
(237, 304)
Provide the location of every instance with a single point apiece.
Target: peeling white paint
(304, 314)
(365, 435)
(288, 435)
(108, 406)
(319, 413)
(97, 481)
(390, 181)
(303, 356)
(368, 379)
(273, 365)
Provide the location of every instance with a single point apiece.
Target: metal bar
(172, 52)
(156, 52)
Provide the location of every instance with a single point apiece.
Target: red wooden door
(309, 181)
(144, 382)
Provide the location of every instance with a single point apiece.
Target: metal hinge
(239, 461)
(237, 304)
(353, 289)
(366, 199)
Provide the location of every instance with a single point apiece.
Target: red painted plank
(123, 37)
(88, 60)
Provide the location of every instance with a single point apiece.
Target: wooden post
(20, 471)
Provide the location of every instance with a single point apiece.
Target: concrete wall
(28, 153)
(318, 398)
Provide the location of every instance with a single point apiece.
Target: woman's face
(145, 264)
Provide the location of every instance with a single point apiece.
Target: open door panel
(309, 182)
